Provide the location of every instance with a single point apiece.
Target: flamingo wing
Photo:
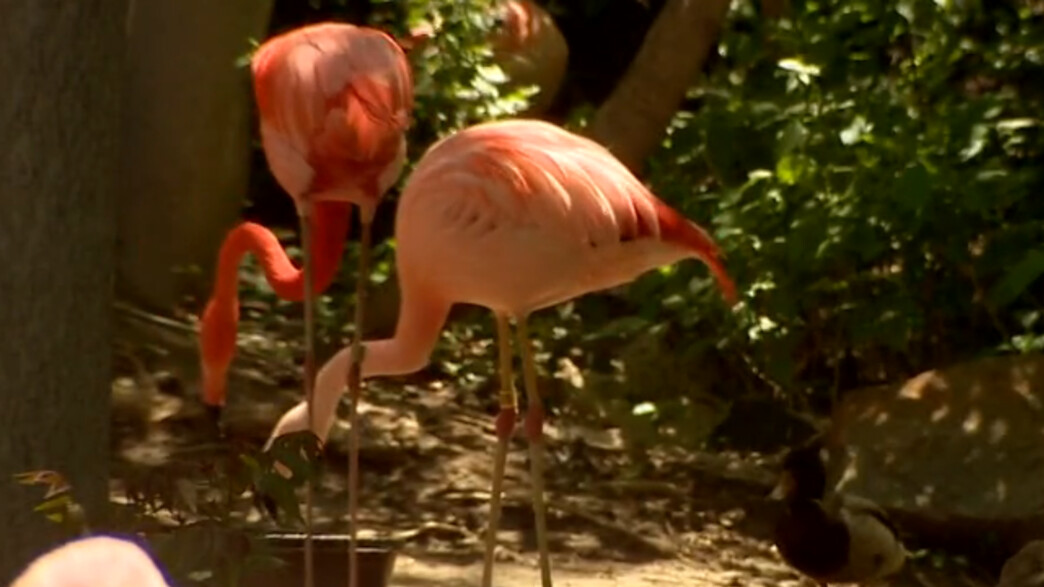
(557, 211)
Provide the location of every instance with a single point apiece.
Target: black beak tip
(214, 420)
(214, 413)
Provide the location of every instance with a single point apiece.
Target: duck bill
(784, 487)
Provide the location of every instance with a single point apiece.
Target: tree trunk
(187, 144)
(60, 118)
(774, 9)
(633, 120)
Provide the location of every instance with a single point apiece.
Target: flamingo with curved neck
(516, 216)
(220, 318)
(334, 102)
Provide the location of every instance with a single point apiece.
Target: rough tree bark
(633, 120)
(187, 145)
(59, 123)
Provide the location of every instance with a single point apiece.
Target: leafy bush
(871, 170)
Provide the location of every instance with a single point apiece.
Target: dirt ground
(692, 519)
(413, 572)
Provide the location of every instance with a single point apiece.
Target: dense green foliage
(872, 170)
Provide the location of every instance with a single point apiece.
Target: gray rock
(956, 454)
(1025, 568)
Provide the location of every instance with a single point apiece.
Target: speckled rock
(956, 453)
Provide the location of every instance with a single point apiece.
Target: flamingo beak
(214, 418)
(214, 414)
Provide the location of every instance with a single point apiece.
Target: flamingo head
(217, 345)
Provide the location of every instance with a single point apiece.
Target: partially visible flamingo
(531, 50)
(527, 45)
(334, 101)
(515, 216)
(99, 561)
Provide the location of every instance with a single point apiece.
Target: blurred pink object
(99, 561)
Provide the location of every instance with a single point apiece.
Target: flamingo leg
(534, 426)
(305, 213)
(354, 392)
(508, 400)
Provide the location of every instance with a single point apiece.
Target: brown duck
(834, 538)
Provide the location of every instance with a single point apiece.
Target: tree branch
(633, 120)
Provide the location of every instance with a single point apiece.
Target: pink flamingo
(529, 47)
(99, 561)
(531, 50)
(334, 102)
(515, 216)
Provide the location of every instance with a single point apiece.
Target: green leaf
(1014, 124)
(804, 71)
(913, 187)
(855, 131)
(281, 491)
(296, 451)
(976, 142)
(793, 135)
(624, 326)
(791, 168)
(59, 503)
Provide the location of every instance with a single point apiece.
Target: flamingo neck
(329, 223)
(421, 318)
(220, 319)
(420, 321)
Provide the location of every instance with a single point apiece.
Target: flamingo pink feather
(99, 561)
